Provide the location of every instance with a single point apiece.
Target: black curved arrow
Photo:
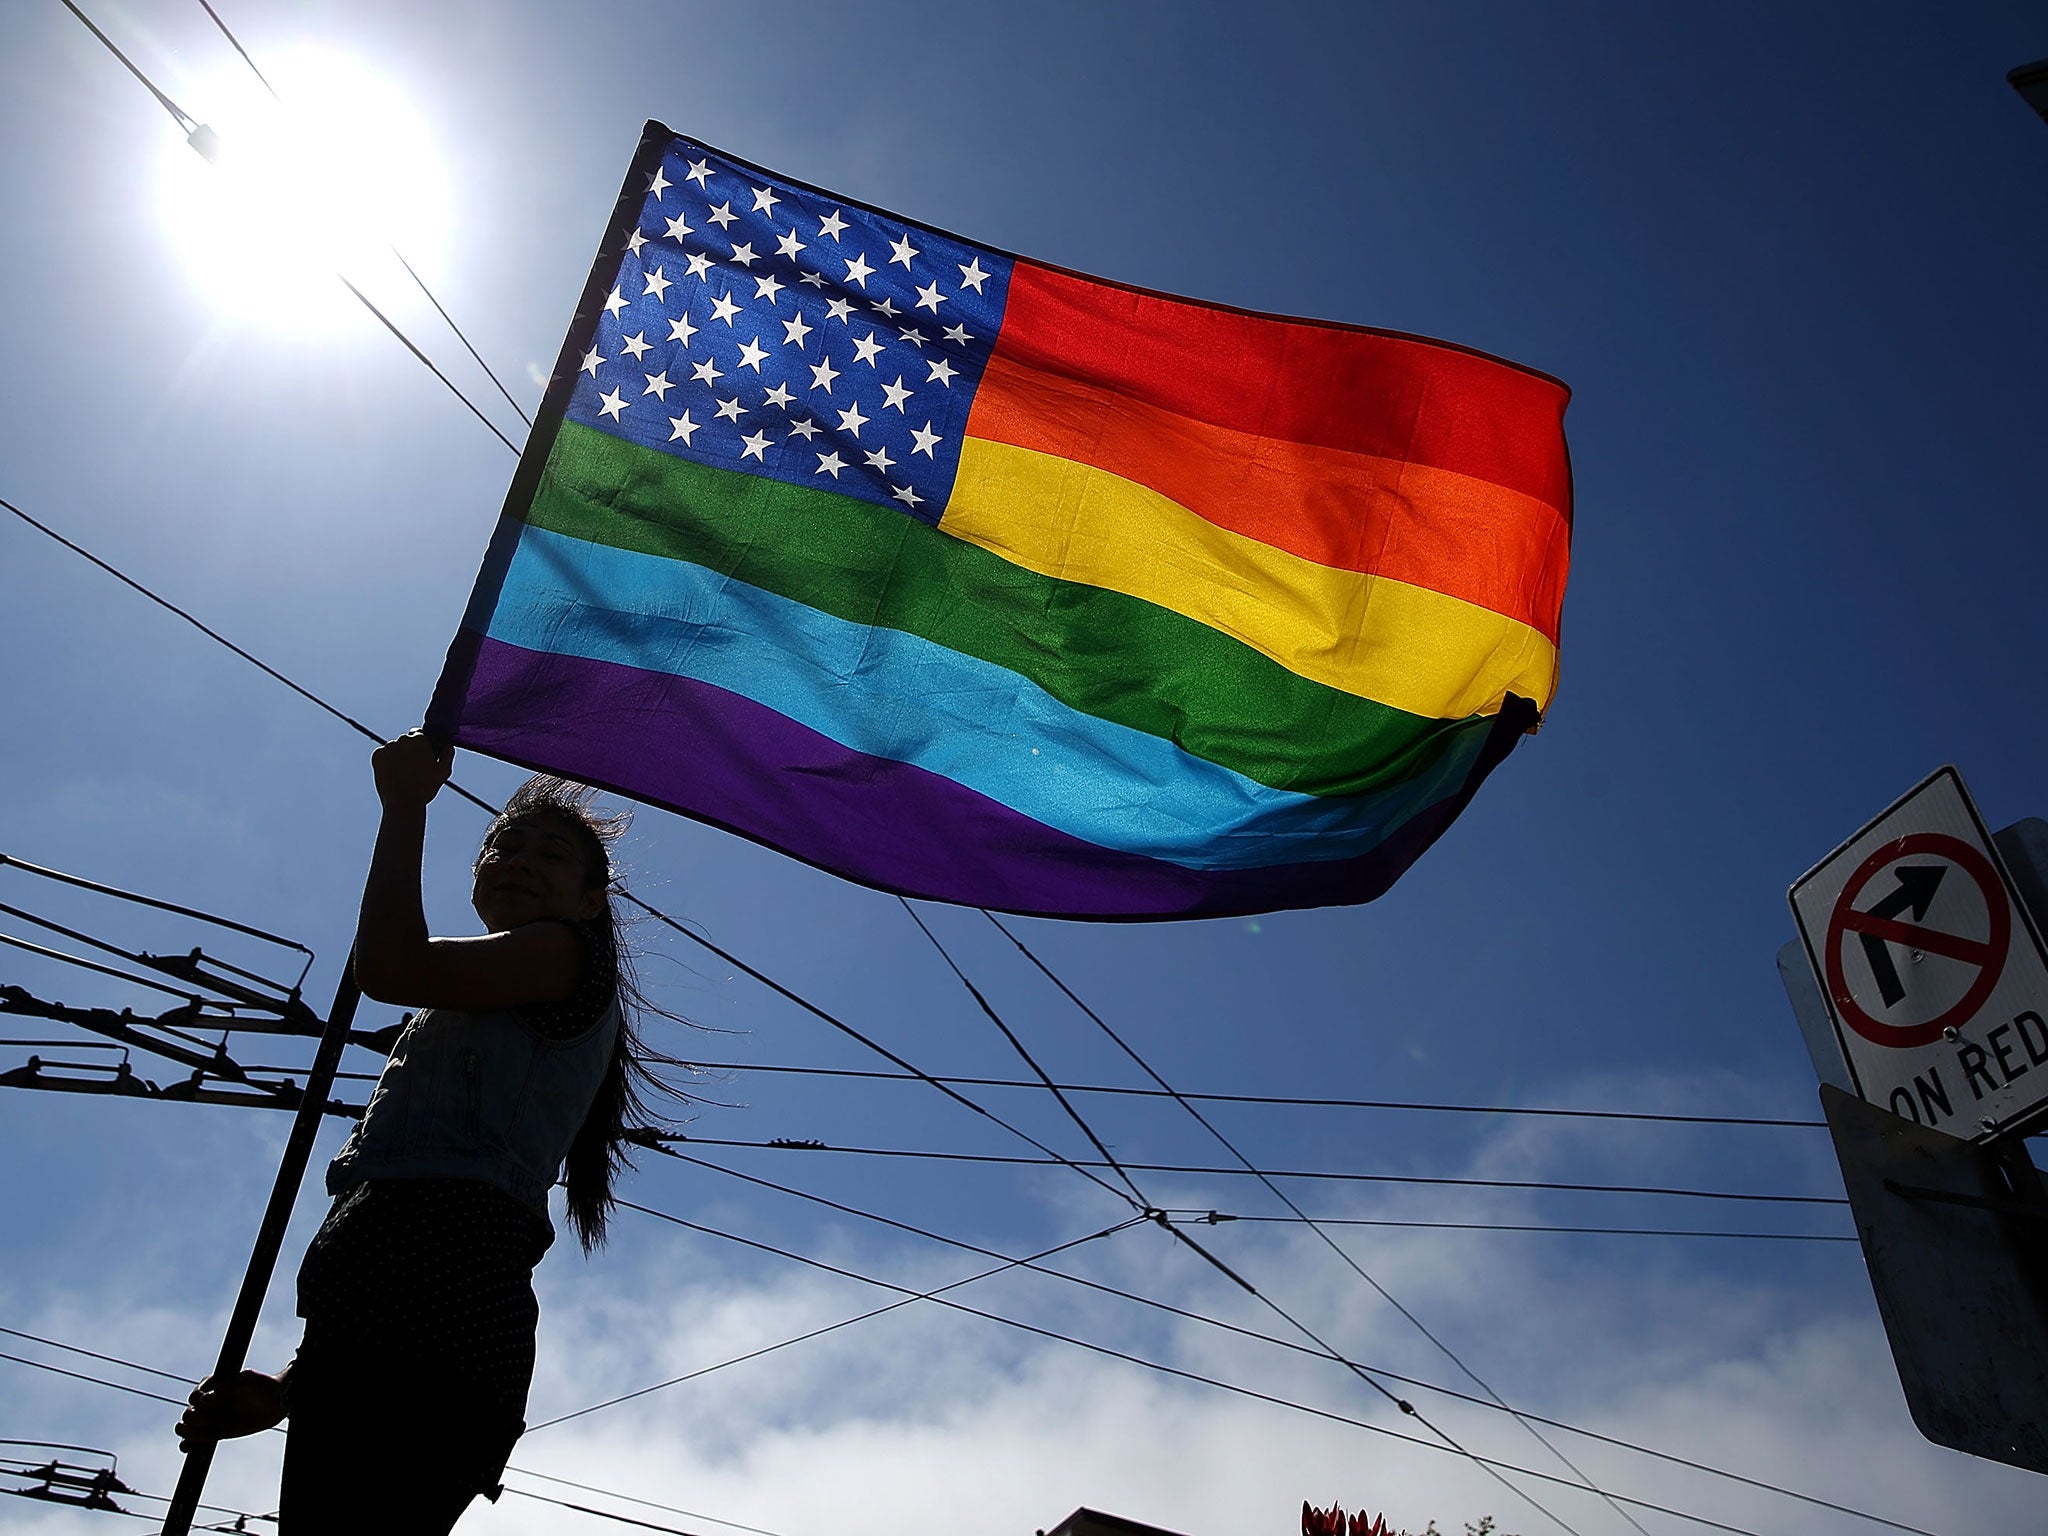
(1917, 885)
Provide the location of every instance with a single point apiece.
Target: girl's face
(532, 869)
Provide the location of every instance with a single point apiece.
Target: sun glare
(321, 184)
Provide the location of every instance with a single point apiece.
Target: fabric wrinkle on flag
(975, 579)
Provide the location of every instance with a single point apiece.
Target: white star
(658, 385)
(794, 331)
(789, 245)
(752, 353)
(681, 426)
(700, 264)
(706, 372)
(658, 284)
(902, 251)
(858, 270)
(957, 333)
(681, 330)
(905, 494)
(614, 304)
(815, 279)
(764, 200)
(822, 375)
(829, 464)
(929, 297)
(971, 275)
(803, 429)
(658, 183)
(730, 409)
(723, 215)
(779, 396)
(699, 172)
(767, 287)
(635, 344)
(880, 459)
(885, 309)
(927, 440)
(677, 228)
(590, 362)
(840, 309)
(756, 447)
(743, 254)
(613, 404)
(634, 241)
(941, 372)
(867, 349)
(724, 309)
(831, 224)
(851, 420)
(913, 335)
(894, 395)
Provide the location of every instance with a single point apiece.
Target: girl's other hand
(410, 770)
(247, 1403)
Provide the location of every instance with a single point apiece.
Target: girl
(409, 1389)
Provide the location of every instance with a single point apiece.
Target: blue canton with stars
(764, 327)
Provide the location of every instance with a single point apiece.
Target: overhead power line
(1249, 1392)
(1029, 1262)
(392, 246)
(1002, 1159)
(1017, 1045)
(1526, 1226)
(1323, 1346)
(1285, 1199)
(687, 1514)
(117, 1386)
(1288, 1101)
(1761, 1486)
(1032, 1264)
(1322, 1351)
(203, 139)
(185, 120)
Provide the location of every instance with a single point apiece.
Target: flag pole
(299, 1147)
(291, 1172)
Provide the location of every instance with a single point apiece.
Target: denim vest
(478, 1096)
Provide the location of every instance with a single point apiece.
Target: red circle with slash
(1987, 954)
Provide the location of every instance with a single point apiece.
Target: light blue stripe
(896, 695)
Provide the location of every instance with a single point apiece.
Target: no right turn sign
(1932, 969)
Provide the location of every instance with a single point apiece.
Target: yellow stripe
(1402, 645)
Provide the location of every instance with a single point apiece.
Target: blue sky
(1789, 260)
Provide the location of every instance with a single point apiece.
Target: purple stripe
(725, 759)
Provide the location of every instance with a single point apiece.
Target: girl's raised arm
(396, 960)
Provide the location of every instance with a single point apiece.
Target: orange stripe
(1481, 543)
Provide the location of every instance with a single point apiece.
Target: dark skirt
(419, 1347)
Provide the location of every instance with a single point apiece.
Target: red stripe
(1330, 385)
(1469, 539)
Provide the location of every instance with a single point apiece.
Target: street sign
(1931, 967)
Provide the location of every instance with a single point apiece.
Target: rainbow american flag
(974, 579)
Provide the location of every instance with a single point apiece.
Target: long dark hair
(623, 1110)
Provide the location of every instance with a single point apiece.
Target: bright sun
(321, 184)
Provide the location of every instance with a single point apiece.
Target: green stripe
(1101, 652)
